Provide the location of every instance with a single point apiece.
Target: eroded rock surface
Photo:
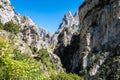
(96, 42)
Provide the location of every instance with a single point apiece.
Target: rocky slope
(31, 37)
(30, 33)
(92, 52)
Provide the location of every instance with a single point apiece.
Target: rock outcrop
(68, 27)
(6, 11)
(99, 34)
(31, 37)
(30, 33)
(67, 40)
(97, 41)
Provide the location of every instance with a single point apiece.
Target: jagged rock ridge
(69, 26)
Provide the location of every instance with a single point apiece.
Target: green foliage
(12, 39)
(1, 6)
(16, 66)
(1, 25)
(20, 56)
(65, 76)
(33, 71)
(83, 72)
(11, 27)
(16, 70)
(111, 67)
(5, 48)
(44, 56)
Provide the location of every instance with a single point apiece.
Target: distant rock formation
(69, 26)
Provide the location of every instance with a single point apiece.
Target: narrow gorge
(86, 45)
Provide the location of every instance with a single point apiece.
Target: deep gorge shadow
(66, 53)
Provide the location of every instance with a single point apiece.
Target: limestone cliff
(91, 51)
(99, 35)
(30, 33)
(31, 38)
(87, 43)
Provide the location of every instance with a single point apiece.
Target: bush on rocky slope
(1, 6)
(65, 76)
(1, 25)
(11, 27)
(17, 66)
(46, 60)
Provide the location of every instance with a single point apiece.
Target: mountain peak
(76, 14)
(68, 15)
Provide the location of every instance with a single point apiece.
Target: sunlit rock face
(99, 35)
(68, 21)
(98, 40)
(30, 33)
(6, 11)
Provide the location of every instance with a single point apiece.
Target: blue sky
(47, 14)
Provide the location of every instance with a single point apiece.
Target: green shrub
(33, 71)
(11, 27)
(1, 25)
(65, 76)
(43, 54)
(1, 6)
(45, 58)
(5, 48)
(20, 56)
(12, 39)
(19, 66)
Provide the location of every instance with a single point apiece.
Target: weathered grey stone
(99, 33)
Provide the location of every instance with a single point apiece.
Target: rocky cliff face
(66, 36)
(99, 34)
(30, 33)
(31, 37)
(91, 51)
(87, 43)
(6, 10)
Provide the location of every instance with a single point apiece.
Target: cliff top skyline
(47, 14)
